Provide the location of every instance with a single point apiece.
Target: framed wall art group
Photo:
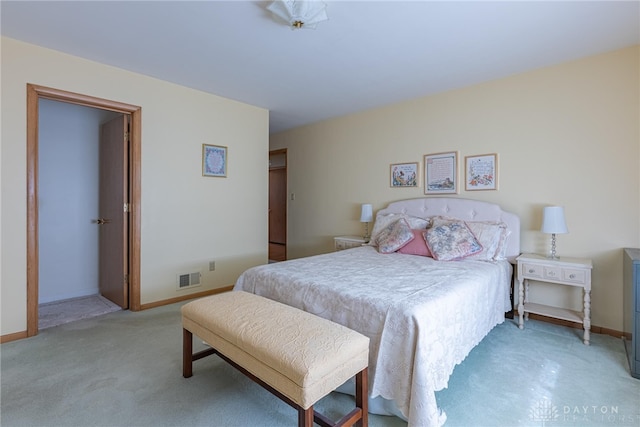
(441, 176)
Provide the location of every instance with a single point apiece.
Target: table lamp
(553, 223)
(366, 216)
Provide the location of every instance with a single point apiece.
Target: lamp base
(553, 255)
(367, 236)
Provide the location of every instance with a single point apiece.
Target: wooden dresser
(631, 310)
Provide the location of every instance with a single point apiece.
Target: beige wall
(565, 135)
(187, 220)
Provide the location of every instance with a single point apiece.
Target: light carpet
(70, 310)
(124, 369)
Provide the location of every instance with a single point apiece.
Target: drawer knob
(552, 273)
(572, 276)
(531, 270)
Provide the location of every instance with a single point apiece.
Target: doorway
(34, 95)
(69, 195)
(278, 205)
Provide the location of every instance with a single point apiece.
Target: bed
(423, 315)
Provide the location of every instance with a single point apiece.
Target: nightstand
(347, 242)
(562, 271)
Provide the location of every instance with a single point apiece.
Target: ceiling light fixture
(299, 13)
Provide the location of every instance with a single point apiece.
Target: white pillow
(490, 235)
(501, 252)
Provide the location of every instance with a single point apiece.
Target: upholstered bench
(295, 355)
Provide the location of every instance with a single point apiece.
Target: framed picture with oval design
(214, 160)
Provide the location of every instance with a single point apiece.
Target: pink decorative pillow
(418, 246)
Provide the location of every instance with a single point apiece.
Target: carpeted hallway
(71, 310)
(124, 369)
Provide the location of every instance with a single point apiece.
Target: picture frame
(403, 175)
(214, 160)
(481, 172)
(441, 173)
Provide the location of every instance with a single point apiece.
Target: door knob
(102, 221)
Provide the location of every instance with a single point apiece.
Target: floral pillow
(383, 221)
(394, 236)
(417, 246)
(451, 240)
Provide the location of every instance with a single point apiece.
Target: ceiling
(368, 54)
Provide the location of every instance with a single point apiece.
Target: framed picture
(441, 173)
(404, 175)
(214, 160)
(481, 172)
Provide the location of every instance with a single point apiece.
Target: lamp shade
(553, 220)
(299, 13)
(366, 214)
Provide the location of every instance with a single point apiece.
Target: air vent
(188, 280)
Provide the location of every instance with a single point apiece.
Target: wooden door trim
(278, 151)
(286, 190)
(34, 93)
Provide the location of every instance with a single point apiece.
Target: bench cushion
(301, 355)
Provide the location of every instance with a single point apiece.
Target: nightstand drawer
(347, 242)
(553, 273)
(574, 276)
(341, 245)
(532, 271)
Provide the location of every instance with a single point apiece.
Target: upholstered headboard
(465, 209)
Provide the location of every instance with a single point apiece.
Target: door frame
(286, 198)
(34, 94)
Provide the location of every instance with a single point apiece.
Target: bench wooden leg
(359, 416)
(362, 399)
(305, 417)
(187, 353)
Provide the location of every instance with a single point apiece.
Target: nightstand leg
(521, 304)
(526, 296)
(587, 316)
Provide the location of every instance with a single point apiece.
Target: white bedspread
(422, 316)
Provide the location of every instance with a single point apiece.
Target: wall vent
(188, 280)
